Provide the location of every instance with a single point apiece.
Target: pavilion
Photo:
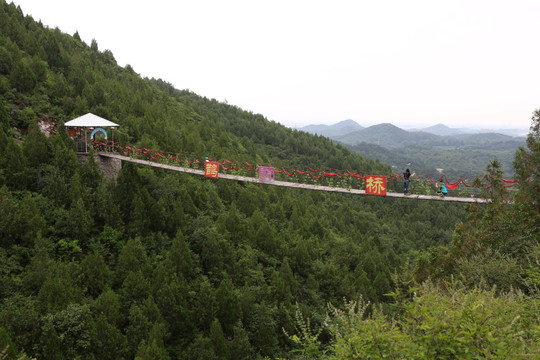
(78, 129)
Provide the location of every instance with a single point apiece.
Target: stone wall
(109, 166)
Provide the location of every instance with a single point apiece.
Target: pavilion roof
(90, 120)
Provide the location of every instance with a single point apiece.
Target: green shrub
(450, 323)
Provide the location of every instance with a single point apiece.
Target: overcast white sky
(414, 63)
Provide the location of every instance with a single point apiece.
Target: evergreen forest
(155, 264)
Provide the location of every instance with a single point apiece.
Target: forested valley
(156, 264)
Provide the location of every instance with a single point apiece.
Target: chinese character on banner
(376, 185)
(211, 169)
(266, 175)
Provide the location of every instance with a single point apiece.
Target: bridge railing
(334, 178)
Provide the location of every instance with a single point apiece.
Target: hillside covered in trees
(161, 265)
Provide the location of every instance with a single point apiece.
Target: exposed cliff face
(47, 126)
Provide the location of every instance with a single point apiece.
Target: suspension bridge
(116, 154)
(118, 157)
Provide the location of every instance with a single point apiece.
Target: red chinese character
(376, 185)
(211, 169)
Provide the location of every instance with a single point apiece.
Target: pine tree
(80, 222)
(36, 148)
(139, 216)
(91, 174)
(135, 288)
(240, 346)
(110, 342)
(4, 114)
(137, 330)
(58, 289)
(94, 274)
(219, 343)
(12, 163)
(527, 166)
(132, 258)
(180, 256)
(22, 77)
(226, 306)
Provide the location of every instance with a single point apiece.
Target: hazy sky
(473, 63)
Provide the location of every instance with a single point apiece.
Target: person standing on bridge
(406, 176)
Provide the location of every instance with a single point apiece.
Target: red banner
(376, 185)
(211, 169)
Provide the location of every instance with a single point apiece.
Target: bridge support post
(109, 166)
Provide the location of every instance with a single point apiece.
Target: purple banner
(266, 174)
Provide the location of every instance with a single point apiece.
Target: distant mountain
(442, 130)
(389, 136)
(486, 141)
(508, 132)
(346, 127)
(331, 131)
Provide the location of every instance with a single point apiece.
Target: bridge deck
(290, 184)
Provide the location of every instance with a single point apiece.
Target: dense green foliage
(161, 265)
(456, 323)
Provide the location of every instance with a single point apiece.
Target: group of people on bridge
(441, 187)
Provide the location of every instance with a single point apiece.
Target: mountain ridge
(338, 129)
(437, 129)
